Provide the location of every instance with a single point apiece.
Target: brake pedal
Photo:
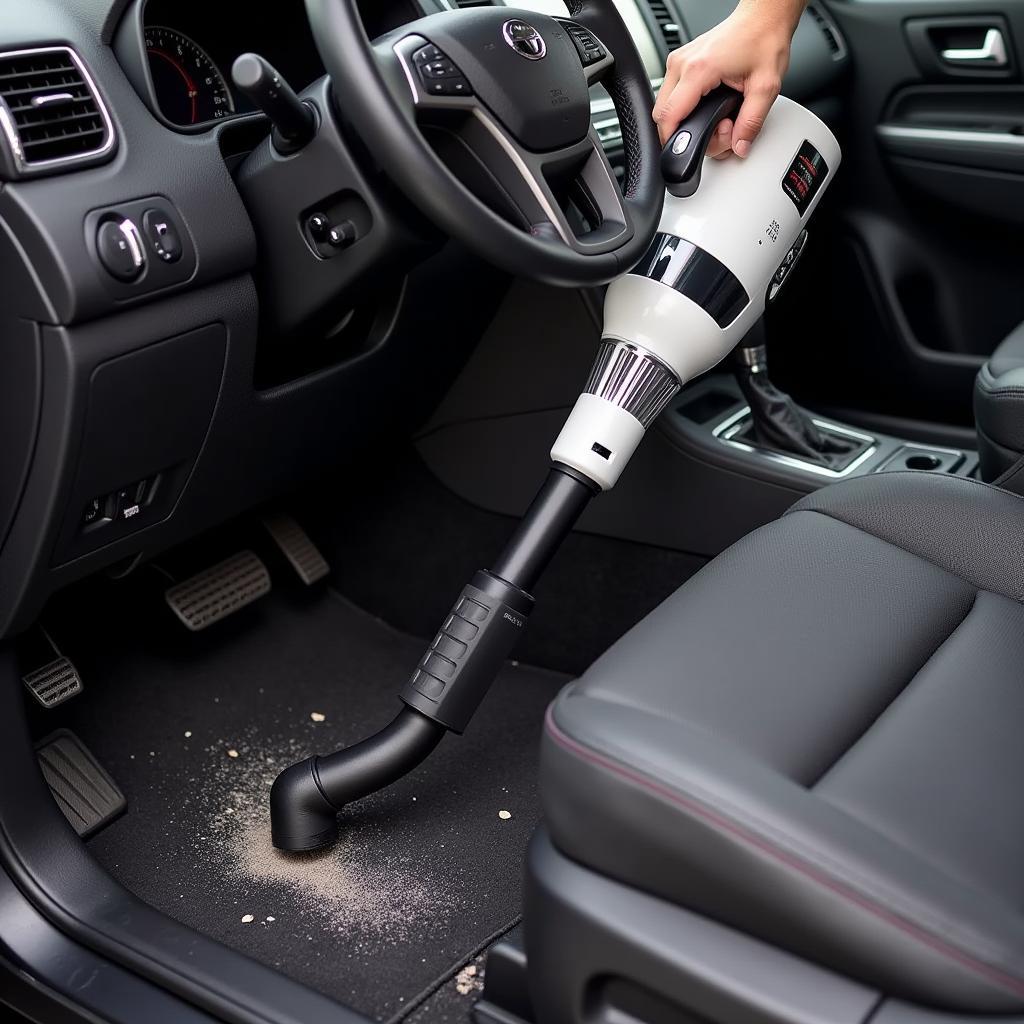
(219, 591)
(56, 681)
(86, 794)
(298, 548)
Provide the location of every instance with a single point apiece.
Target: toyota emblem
(524, 39)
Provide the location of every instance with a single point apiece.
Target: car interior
(461, 561)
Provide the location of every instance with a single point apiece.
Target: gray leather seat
(819, 741)
(999, 406)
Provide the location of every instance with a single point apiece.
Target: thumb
(757, 101)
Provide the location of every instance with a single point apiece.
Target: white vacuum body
(720, 255)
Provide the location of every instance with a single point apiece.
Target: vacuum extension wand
(729, 234)
(450, 681)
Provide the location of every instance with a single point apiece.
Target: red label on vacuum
(804, 176)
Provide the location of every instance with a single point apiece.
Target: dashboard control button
(341, 235)
(162, 235)
(119, 248)
(319, 225)
(94, 511)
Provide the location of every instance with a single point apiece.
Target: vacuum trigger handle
(683, 155)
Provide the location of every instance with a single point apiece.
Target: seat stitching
(717, 820)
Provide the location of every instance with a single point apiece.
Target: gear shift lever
(777, 422)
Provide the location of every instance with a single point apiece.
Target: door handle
(991, 53)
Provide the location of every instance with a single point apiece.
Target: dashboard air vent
(833, 37)
(472, 3)
(50, 111)
(667, 23)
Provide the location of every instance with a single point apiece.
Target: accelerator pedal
(85, 793)
(57, 680)
(295, 544)
(219, 591)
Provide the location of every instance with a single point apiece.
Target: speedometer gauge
(189, 87)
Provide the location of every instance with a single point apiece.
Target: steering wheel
(515, 87)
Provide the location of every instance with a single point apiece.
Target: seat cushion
(818, 740)
(999, 406)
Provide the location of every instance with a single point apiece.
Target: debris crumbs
(232, 752)
(469, 980)
(504, 815)
(269, 919)
(188, 734)
(318, 716)
(248, 919)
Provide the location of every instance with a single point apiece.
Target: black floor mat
(402, 545)
(194, 728)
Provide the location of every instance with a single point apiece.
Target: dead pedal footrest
(303, 555)
(54, 683)
(219, 591)
(86, 794)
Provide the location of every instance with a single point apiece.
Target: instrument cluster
(190, 46)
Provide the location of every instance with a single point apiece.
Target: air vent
(833, 37)
(50, 111)
(667, 23)
(472, 3)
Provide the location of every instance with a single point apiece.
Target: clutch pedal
(219, 591)
(298, 548)
(56, 681)
(86, 794)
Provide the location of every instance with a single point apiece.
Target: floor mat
(402, 545)
(194, 728)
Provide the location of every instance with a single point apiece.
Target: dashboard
(190, 45)
(165, 254)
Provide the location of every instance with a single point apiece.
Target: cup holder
(923, 459)
(923, 462)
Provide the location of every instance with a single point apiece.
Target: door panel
(919, 258)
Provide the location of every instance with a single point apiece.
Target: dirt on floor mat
(195, 728)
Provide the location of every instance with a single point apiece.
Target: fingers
(721, 142)
(757, 101)
(682, 90)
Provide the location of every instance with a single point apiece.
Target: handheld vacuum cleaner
(730, 233)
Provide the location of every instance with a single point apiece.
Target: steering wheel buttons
(162, 234)
(449, 87)
(438, 74)
(428, 53)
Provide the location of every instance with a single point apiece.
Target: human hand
(749, 51)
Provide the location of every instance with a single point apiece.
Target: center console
(712, 420)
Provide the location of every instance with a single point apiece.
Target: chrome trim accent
(51, 98)
(633, 379)
(520, 165)
(754, 357)
(996, 140)
(134, 239)
(733, 424)
(991, 53)
(10, 130)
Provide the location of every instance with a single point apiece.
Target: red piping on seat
(1015, 985)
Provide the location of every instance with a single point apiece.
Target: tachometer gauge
(190, 88)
